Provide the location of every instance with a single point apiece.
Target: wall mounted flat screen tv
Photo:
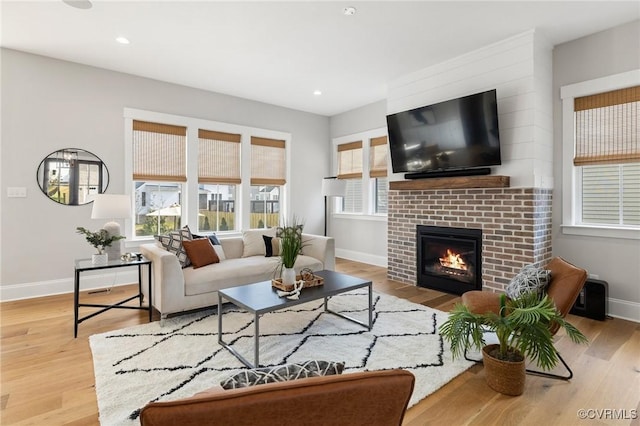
(455, 135)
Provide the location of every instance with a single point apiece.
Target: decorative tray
(309, 281)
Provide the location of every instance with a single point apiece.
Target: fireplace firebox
(449, 259)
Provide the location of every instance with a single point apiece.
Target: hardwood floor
(47, 375)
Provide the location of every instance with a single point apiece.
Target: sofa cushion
(238, 271)
(200, 252)
(172, 242)
(282, 373)
(530, 278)
(229, 273)
(253, 242)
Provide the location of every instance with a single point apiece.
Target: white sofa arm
(321, 248)
(167, 278)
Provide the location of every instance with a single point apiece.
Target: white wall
(616, 261)
(359, 238)
(519, 68)
(50, 104)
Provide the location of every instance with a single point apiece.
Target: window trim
(190, 187)
(570, 182)
(367, 195)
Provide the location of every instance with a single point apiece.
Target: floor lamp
(332, 187)
(112, 207)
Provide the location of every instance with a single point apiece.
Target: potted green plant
(100, 239)
(522, 328)
(290, 234)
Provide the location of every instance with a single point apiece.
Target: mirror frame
(69, 161)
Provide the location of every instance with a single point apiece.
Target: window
(268, 174)
(381, 189)
(218, 178)
(611, 194)
(378, 172)
(601, 177)
(212, 176)
(607, 156)
(352, 201)
(362, 164)
(159, 170)
(350, 169)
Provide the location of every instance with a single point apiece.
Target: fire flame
(453, 260)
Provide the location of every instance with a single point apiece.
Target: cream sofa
(177, 290)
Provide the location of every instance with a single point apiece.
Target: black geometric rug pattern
(149, 363)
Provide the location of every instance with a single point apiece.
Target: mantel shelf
(458, 182)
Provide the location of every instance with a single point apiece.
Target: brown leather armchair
(377, 398)
(566, 282)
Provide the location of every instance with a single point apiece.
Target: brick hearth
(515, 223)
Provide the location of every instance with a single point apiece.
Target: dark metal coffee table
(261, 298)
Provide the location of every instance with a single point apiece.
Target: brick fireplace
(515, 224)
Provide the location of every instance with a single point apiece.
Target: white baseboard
(65, 285)
(358, 256)
(624, 310)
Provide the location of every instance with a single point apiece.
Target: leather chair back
(371, 398)
(566, 282)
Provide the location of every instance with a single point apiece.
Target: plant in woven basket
(522, 328)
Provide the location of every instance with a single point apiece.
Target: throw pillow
(220, 252)
(271, 246)
(282, 373)
(172, 242)
(253, 242)
(200, 252)
(528, 279)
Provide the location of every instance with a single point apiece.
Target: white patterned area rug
(144, 363)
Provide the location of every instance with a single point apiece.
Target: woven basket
(505, 377)
(309, 282)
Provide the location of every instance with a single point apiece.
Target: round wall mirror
(72, 176)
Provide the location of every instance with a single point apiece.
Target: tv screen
(456, 134)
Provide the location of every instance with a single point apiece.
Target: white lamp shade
(332, 187)
(111, 206)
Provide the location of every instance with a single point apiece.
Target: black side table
(83, 265)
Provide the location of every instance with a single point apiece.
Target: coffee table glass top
(262, 297)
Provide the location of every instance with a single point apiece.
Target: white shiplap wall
(519, 68)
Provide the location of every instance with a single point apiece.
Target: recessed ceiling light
(349, 11)
(317, 92)
(122, 40)
(79, 4)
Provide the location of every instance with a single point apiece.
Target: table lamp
(332, 187)
(112, 206)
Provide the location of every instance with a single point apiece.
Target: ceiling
(280, 52)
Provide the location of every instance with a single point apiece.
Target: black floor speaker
(592, 300)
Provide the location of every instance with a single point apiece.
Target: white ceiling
(280, 52)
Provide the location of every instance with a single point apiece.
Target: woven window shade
(218, 157)
(378, 157)
(607, 127)
(350, 160)
(159, 152)
(268, 164)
